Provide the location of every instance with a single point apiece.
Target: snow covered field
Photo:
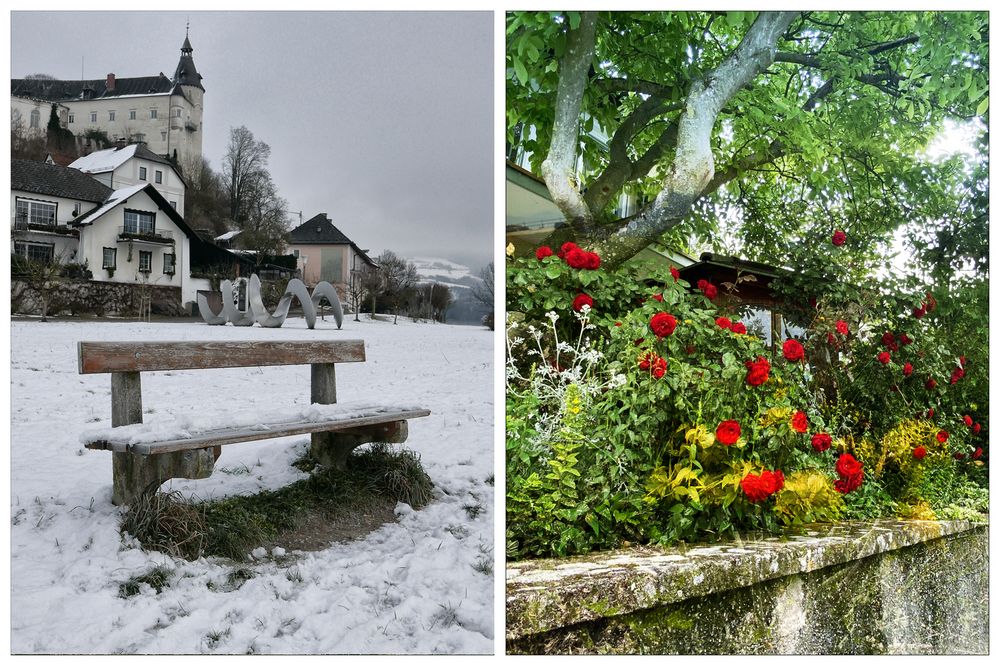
(409, 587)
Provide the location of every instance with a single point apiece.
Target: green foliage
(832, 135)
(603, 451)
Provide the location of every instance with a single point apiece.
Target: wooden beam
(102, 357)
(232, 435)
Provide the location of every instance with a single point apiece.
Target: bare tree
(370, 283)
(441, 300)
(356, 289)
(245, 161)
(399, 276)
(39, 280)
(483, 292)
(206, 203)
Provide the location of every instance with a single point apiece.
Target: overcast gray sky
(383, 120)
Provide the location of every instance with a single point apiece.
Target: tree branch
(559, 166)
(694, 167)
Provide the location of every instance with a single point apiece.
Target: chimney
(122, 142)
(110, 83)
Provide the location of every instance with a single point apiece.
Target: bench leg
(134, 475)
(331, 449)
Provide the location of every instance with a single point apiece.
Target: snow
(408, 587)
(440, 270)
(104, 160)
(117, 197)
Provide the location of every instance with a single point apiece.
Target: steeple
(187, 74)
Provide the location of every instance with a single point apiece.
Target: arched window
(36, 118)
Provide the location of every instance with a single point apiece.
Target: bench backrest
(103, 357)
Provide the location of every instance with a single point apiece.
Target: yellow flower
(510, 249)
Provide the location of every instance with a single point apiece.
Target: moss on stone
(867, 591)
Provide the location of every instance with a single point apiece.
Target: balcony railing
(62, 230)
(145, 236)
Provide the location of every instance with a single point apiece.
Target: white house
(129, 235)
(137, 236)
(45, 200)
(134, 164)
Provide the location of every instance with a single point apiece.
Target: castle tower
(186, 109)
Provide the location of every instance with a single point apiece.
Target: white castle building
(165, 113)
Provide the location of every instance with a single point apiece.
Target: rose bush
(652, 415)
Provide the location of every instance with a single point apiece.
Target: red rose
(659, 367)
(930, 413)
(830, 340)
(959, 456)
(919, 312)
(842, 327)
(821, 441)
(930, 385)
(728, 432)
(758, 371)
(968, 420)
(618, 323)
(759, 487)
(576, 258)
(904, 339)
(929, 302)
(976, 428)
(676, 273)
(702, 284)
(739, 328)
(800, 422)
(657, 297)
(889, 341)
(884, 358)
(663, 324)
(907, 369)
(542, 252)
(581, 300)
(838, 238)
(851, 473)
(793, 351)
(645, 359)
(942, 436)
(723, 322)
(961, 361)
(957, 374)
(593, 261)
(566, 247)
(711, 292)
(978, 453)
(919, 453)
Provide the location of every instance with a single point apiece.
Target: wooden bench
(141, 467)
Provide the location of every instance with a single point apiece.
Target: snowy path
(409, 587)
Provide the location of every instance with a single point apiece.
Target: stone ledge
(548, 594)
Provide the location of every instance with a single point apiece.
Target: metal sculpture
(257, 312)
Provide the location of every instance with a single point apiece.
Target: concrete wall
(916, 587)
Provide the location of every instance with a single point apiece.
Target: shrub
(653, 416)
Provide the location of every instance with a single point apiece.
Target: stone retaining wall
(74, 297)
(914, 587)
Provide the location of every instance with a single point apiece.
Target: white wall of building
(105, 231)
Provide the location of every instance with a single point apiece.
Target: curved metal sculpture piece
(257, 312)
(325, 289)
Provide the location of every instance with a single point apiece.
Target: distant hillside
(460, 279)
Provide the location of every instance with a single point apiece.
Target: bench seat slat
(104, 357)
(232, 435)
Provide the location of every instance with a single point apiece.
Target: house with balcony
(45, 201)
(134, 164)
(128, 235)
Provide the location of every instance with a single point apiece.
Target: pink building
(326, 254)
